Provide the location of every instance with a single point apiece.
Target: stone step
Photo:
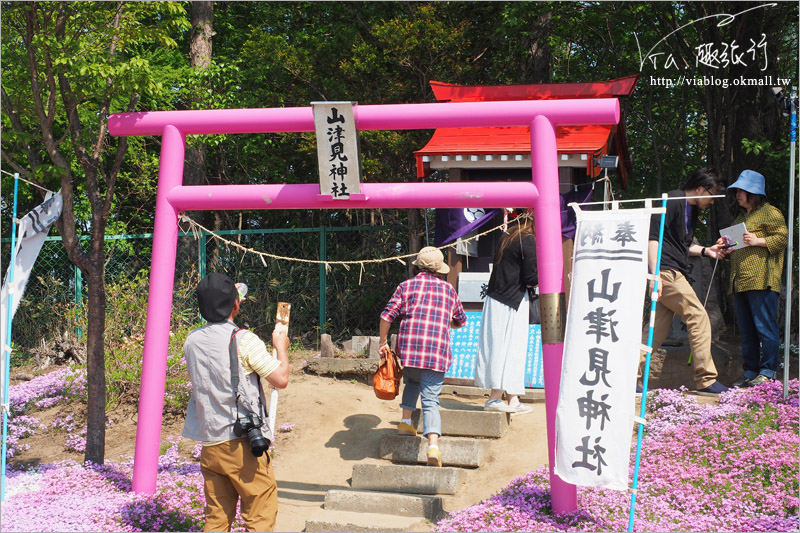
(461, 452)
(468, 421)
(467, 391)
(362, 501)
(336, 365)
(342, 521)
(406, 478)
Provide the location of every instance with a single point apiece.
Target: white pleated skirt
(502, 347)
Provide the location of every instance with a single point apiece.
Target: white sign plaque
(337, 149)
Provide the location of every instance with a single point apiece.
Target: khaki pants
(230, 472)
(677, 296)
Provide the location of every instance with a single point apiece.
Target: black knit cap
(216, 295)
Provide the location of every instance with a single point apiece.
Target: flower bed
(730, 467)
(726, 467)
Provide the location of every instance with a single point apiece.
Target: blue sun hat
(750, 181)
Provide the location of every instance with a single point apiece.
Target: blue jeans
(757, 317)
(428, 384)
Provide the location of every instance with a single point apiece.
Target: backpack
(386, 381)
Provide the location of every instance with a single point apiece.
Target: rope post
(78, 297)
(646, 372)
(201, 254)
(323, 278)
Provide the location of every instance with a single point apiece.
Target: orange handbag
(386, 381)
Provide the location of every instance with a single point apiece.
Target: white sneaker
(498, 405)
(521, 409)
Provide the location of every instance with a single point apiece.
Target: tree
(200, 48)
(67, 66)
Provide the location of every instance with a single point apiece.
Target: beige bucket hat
(430, 258)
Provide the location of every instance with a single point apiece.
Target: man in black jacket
(675, 294)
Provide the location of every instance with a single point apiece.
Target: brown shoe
(759, 379)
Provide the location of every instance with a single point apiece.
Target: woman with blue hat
(756, 279)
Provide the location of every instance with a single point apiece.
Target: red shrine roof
(511, 141)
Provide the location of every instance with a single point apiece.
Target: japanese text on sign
(337, 149)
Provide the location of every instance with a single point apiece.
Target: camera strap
(233, 351)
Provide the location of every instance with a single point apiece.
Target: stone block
(410, 505)
(468, 422)
(360, 343)
(466, 391)
(460, 452)
(335, 365)
(407, 479)
(326, 347)
(373, 346)
(346, 521)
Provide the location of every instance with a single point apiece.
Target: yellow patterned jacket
(755, 267)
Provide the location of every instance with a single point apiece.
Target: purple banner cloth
(452, 224)
(568, 214)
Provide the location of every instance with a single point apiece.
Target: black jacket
(675, 247)
(512, 275)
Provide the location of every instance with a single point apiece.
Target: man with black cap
(226, 411)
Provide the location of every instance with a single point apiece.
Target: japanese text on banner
(594, 417)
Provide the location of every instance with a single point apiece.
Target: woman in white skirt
(503, 342)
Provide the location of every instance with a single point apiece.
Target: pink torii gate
(542, 194)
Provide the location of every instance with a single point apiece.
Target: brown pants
(677, 296)
(230, 472)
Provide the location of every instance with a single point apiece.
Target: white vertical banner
(596, 402)
(33, 229)
(337, 149)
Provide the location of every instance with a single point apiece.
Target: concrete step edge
(410, 479)
(422, 506)
(343, 521)
(462, 452)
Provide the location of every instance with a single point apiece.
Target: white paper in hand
(734, 234)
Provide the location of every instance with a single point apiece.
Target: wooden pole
(281, 325)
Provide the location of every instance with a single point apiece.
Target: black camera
(250, 425)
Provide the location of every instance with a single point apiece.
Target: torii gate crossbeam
(542, 116)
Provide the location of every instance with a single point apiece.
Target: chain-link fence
(335, 300)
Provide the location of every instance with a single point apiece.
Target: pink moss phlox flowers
(732, 466)
(59, 384)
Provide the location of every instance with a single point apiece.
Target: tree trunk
(202, 14)
(202, 20)
(95, 367)
(538, 66)
(415, 233)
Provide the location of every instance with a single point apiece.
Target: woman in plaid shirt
(428, 307)
(756, 279)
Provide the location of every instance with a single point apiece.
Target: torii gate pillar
(550, 261)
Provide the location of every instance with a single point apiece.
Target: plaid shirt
(426, 306)
(755, 268)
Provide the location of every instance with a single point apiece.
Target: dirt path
(339, 423)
